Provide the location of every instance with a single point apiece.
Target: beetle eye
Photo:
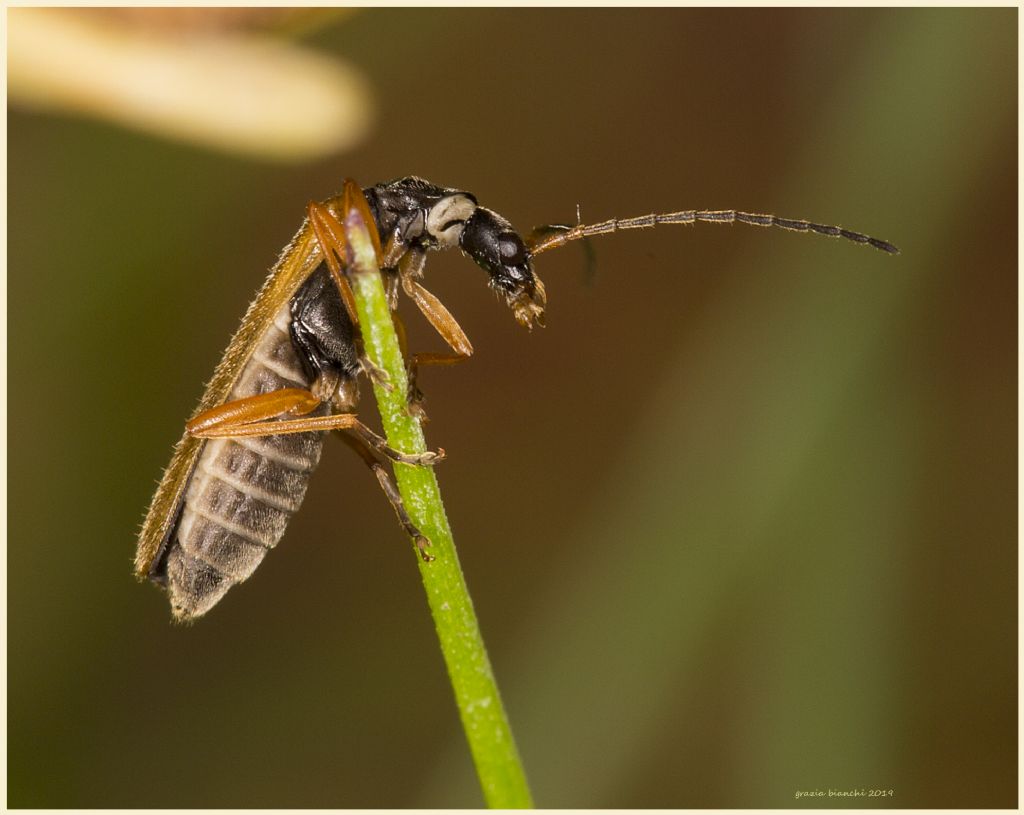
(511, 248)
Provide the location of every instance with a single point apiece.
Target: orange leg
(356, 209)
(428, 358)
(391, 492)
(240, 412)
(394, 251)
(431, 358)
(255, 416)
(416, 397)
(409, 271)
(330, 234)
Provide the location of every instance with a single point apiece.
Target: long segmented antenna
(551, 237)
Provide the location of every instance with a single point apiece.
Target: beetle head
(497, 248)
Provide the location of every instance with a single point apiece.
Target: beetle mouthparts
(528, 304)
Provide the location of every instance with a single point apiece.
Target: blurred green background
(740, 522)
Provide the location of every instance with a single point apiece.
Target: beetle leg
(376, 374)
(416, 397)
(330, 234)
(240, 412)
(438, 359)
(387, 484)
(394, 251)
(394, 497)
(391, 288)
(254, 416)
(344, 400)
(410, 262)
(353, 202)
(348, 422)
(409, 271)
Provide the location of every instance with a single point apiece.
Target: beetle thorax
(447, 218)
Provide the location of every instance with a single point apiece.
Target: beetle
(290, 373)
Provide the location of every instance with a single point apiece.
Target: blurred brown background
(740, 522)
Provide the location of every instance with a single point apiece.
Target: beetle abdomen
(243, 491)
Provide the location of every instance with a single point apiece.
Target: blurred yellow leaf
(236, 91)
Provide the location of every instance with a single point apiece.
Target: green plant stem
(483, 717)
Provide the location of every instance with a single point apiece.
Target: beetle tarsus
(377, 375)
(422, 544)
(429, 458)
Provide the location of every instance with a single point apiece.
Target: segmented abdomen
(243, 491)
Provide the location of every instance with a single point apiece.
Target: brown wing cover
(298, 260)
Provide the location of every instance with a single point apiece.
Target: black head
(497, 248)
